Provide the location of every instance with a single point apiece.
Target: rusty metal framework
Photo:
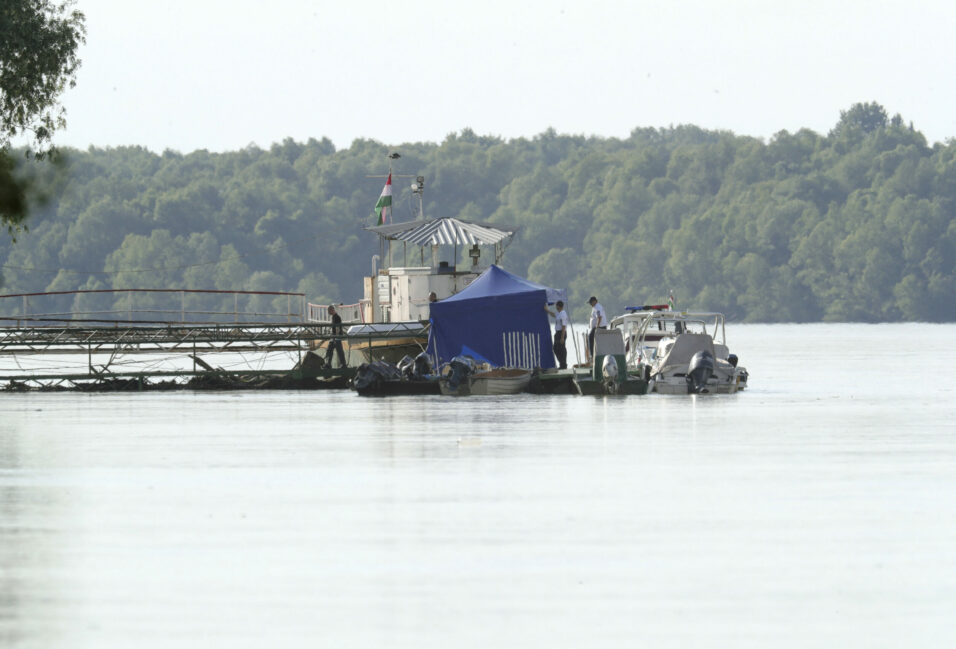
(110, 351)
(47, 349)
(140, 338)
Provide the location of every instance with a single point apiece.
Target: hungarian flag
(384, 205)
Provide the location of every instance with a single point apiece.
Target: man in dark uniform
(335, 343)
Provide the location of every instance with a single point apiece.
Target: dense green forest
(854, 225)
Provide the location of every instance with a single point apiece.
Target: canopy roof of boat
(444, 231)
(643, 319)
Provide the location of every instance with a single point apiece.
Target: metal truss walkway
(143, 343)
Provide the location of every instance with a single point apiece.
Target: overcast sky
(222, 74)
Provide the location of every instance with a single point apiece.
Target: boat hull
(396, 388)
(590, 387)
(587, 386)
(677, 384)
(492, 382)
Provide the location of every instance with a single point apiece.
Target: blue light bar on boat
(646, 307)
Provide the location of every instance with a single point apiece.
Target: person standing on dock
(561, 322)
(335, 343)
(598, 321)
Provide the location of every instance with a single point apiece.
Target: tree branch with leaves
(39, 41)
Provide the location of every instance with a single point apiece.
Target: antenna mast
(418, 187)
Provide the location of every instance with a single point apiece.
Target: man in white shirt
(561, 324)
(598, 321)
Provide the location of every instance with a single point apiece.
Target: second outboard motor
(609, 368)
(415, 369)
(423, 366)
(609, 371)
(368, 374)
(407, 367)
(701, 368)
(458, 370)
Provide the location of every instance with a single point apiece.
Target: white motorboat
(686, 351)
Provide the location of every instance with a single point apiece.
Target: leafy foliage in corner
(39, 40)
(854, 225)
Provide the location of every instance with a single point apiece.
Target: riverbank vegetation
(853, 225)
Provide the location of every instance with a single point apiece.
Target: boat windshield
(646, 332)
(658, 325)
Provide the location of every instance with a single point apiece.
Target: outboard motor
(609, 368)
(458, 370)
(415, 369)
(423, 366)
(609, 372)
(701, 368)
(368, 374)
(407, 367)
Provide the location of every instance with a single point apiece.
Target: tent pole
(575, 339)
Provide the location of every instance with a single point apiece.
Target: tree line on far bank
(854, 225)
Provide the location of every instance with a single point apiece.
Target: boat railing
(650, 324)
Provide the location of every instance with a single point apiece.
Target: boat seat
(721, 351)
(684, 348)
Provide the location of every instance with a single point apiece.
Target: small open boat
(500, 381)
(462, 377)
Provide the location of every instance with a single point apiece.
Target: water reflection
(800, 513)
(11, 536)
(32, 512)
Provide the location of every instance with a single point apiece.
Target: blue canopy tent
(500, 317)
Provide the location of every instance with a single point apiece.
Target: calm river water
(816, 509)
